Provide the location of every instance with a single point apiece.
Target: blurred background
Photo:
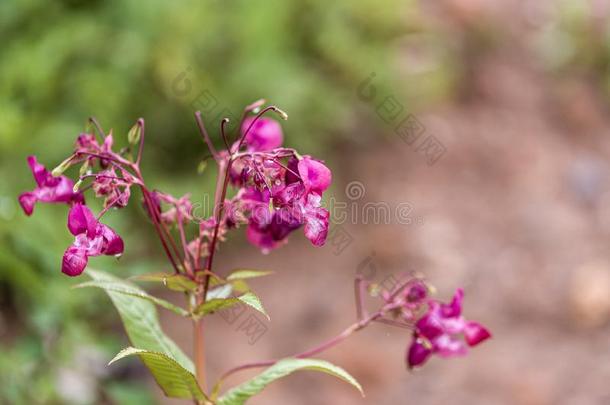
(488, 119)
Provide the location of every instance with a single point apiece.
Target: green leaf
(217, 304)
(224, 291)
(141, 322)
(240, 394)
(174, 380)
(214, 305)
(253, 301)
(245, 274)
(127, 289)
(175, 282)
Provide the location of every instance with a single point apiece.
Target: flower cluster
(278, 190)
(92, 238)
(439, 329)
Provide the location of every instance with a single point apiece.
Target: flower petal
(475, 333)
(316, 225)
(265, 135)
(262, 240)
(447, 346)
(27, 201)
(315, 175)
(74, 261)
(453, 309)
(81, 220)
(113, 243)
(417, 354)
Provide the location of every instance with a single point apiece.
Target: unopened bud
(281, 113)
(133, 137)
(77, 186)
(63, 166)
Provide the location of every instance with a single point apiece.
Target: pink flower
(265, 134)
(87, 143)
(116, 190)
(180, 210)
(92, 238)
(49, 189)
(315, 176)
(439, 329)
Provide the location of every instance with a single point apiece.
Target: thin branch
(223, 124)
(97, 125)
(205, 135)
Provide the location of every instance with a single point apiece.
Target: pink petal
(453, 309)
(447, 346)
(74, 262)
(81, 220)
(417, 353)
(316, 225)
(262, 240)
(40, 173)
(27, 202)
(475, 333)
(315, 176)
(113, 243)
(265, 135)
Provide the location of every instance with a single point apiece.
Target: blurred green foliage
(576, 40)
(65, 60)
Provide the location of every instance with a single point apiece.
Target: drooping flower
(438, 332)
(265, 135)
(117, 190)
(315, 175)
(49, 189)
(180, 209)
(87, 144)
(92, 238)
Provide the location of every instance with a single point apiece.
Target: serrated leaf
(124, 288)
(213, 305)
(175, 282)
(253, 301)
(246, 274)
(141, 322)
(174, 380)
(240, 394)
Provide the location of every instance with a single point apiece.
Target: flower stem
(199, 348)
(356, 326)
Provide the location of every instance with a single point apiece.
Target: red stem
(205, 135)
(322, 347)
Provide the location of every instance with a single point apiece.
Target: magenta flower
(439, 329)
(87, 143)
(315, 176)
(275, 213)
(92, 238)
(265, 134)
(117, 190)
(49, 189)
